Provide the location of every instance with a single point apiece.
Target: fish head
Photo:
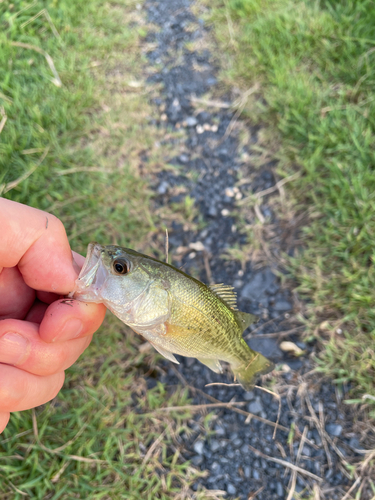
(110, 275)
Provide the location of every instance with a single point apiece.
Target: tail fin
(257, 364)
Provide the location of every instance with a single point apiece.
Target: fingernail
(13, 348)
(71, 330)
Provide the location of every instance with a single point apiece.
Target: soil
(239, 450)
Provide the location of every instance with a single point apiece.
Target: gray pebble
(244, 449)
(191, 121)
(231, 489)
(163, 187)
(354, 444)
(216, 467)
(249, 396)
(220, 431)
(214, 445)
(237, 442)
(334, 429)
(282, 305)
(266, 346)
(255, 407)
(279, 489)
(199, 447)
(256, 474)
(258, 284)
(306, 451)
(197, 460)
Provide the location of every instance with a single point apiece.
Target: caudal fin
(257, 365)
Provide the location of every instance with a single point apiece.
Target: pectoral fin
(165, 353)
(213, 364)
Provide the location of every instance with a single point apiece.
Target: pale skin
(41, 333)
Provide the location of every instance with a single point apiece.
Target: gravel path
(315, 439)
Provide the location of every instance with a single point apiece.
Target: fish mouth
(92, 275)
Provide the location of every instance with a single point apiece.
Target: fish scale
(175, 312)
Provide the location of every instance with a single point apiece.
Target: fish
(175, 312)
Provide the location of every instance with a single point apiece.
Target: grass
(314, 63)
(92, 150)
(75, 150)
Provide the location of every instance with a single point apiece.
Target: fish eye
(120, 266)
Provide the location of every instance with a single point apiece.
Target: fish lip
(86, 287)
(91, 264)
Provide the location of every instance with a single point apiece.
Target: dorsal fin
(244, 319)
(226, 293)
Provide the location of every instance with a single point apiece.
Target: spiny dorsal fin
(226, 293)
(244, 319)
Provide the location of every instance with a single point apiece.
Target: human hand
(41, 334)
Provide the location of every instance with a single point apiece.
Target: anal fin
(213, 364)
(165, 353)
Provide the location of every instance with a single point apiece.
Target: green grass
(90, 133)
(314, 62)
(92, 128)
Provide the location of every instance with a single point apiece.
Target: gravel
(210, 162)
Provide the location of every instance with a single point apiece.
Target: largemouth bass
(173, 311)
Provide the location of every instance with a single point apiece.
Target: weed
(313, 64)
(75, 150)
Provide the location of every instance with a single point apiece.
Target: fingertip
(68, 319)
(4, 420)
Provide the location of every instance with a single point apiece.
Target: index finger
(36, 242)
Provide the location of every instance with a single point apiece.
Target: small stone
(214, 128)
(163, 117)
(256, 474)
(191, 121)
(199, 447)
(285, 368)
(334, 429)
(214, 445)
(197, 246)
(237, 442)
(306, 451)
(197, 460)
(231, 489)
(247, 471)
(229, 192)
(354, 444)
(279, 489)
(249, 396)
(244, 449)
(255, 407)
(212, 211)
(200, 129)
(291, 348)
(258, 284)
(266, 346)
(220, 431)
(225, 212)
(282, 305)
(216, 467)
(183, 158)
(163, 187)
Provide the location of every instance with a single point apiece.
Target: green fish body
(173, 311)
